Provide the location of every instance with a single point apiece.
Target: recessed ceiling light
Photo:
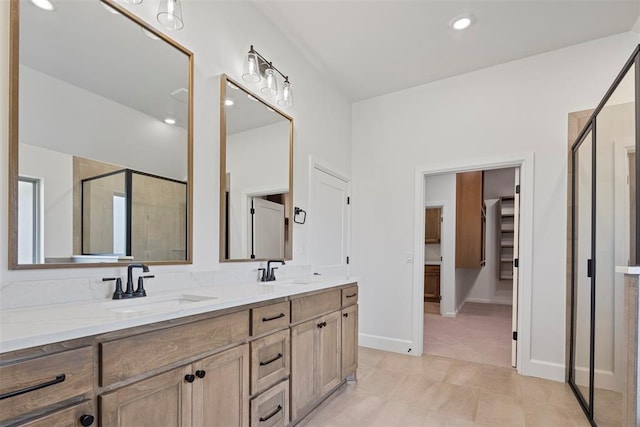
(461, 22)
(43, 4)
(170, 121)
(228, 102)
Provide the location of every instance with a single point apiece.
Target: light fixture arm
(264, 60)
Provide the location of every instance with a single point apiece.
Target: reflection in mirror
(256, 147)
(97, 173)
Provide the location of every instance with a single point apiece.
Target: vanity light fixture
(170, 15)
(461, 22)
(257, 67)
(170, 121)
(43, 4)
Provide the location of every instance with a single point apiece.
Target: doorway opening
(471, 226)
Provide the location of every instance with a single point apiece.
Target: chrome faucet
(269, 274)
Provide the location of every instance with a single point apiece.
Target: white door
(266, 231)
(514, 306)
(329, 221)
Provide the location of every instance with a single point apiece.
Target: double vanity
(248, 354)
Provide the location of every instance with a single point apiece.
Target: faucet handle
(140, 292)
(272, 277)
(263, 277)
(117, 293)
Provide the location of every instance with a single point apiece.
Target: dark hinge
(252, 211)
(441, 219)
(515, 336)
(589, 268)
(348, 200)
(516, 263)
(518, 189)
(347, 260)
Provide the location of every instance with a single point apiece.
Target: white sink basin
(136, 305)
(290, 282)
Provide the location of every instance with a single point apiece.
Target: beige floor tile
(497, 409)
(369, 356)
(438, 420)
(399, 390)
(549, 415)
(453, 401)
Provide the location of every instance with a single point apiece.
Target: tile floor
(479, 333)
(398, 390)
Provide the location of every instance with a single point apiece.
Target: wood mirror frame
(13, 152)
(225, 81)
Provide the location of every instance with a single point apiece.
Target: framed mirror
(256, 177)
(100, 138)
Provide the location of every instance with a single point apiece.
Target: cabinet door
(303, 362)
(162, 400)
(349, 341)
(69, 417)
(221, 389)
(469, 220)
(432, 225)
(329, 352)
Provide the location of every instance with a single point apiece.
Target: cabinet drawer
(69, 417)
(349, 295)
(314, 305)
(431, 270)
(127, 357)
(270, 318)
(269, 360)
(271, 408)
(61, 375)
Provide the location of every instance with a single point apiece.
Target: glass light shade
(270, 87)
(287, 95)
(170, 15)
(251, 71)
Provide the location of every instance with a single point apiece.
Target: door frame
(525, 162)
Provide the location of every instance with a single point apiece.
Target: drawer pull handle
(271, 415)
(189, 378)
(58, 379)
(351, 296)
(279, 356)
(200, 374)
(268, 319)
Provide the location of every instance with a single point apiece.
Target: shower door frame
(591, 126)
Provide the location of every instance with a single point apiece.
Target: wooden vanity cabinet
(349, 342)
(432, 283)
(76, 415)
(210, 392)
(470, 220)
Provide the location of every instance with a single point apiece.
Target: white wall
(511, 109)
(440, 190)
(55, 170)
(219, 33)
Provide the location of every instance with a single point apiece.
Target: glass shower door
(582, 287)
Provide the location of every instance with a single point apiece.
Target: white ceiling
(370, 48)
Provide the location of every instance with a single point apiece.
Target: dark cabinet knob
(86, 420)
(200, 374)
(345, 315)
(189, 378)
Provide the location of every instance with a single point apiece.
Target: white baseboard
(541, 369)
(603, 379)
(388, 344)
(490, 301)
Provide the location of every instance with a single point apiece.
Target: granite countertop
(39, 325)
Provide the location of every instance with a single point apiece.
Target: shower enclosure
(603, 235)
(134, 214)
